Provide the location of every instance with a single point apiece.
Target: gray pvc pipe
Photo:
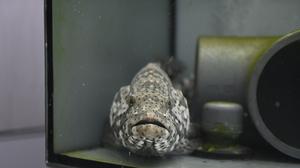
(229, 68)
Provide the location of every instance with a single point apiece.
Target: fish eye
(131, 101)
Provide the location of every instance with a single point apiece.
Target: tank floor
(124, 158)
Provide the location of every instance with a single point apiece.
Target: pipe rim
(264, 131)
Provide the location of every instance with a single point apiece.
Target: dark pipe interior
(278, 94)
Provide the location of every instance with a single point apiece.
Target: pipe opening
(278, 94)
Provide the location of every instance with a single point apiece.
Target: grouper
(151, 117)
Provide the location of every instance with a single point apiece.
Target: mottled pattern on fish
(150, 116)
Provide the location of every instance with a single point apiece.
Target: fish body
(150, 116)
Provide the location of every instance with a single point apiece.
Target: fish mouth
(150, 121)
(150, 129)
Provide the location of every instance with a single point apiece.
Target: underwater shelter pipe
(230, 68)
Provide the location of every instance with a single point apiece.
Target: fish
(151, 117)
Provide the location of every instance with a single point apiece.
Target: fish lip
(150, 121)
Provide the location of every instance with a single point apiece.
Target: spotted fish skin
(150, 116)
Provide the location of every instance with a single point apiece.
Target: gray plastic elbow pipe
(260, 73)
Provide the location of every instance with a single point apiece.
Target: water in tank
(172, 83)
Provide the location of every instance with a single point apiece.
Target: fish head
(151, 125)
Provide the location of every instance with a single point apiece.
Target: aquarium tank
(172, 83)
